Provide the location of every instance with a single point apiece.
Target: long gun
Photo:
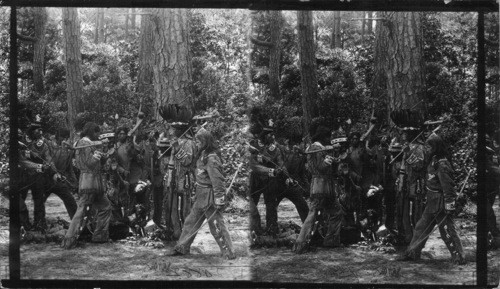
(427, 123)
(171, 146)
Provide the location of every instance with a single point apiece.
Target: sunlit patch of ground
(363, 264)
(122, 260)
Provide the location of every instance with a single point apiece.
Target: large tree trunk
(379, 78)
(146, 59)
(336, 36)
(275, 54)
(401, 36)
(41, 18)
(73, 58)
(172, 61)
(307, 55)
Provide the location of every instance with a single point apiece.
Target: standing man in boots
(91, 188)
(440, 206)
(323, 201)
(210, 199)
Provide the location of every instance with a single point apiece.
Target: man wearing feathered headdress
(179, 182)
(410, 180)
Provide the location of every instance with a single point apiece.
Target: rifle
(176, 141)
(426, 123)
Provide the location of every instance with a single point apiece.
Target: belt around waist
(203, 186)
(320, 176)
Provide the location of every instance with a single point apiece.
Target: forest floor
(370, 263)
(359, 263)
(129, 260)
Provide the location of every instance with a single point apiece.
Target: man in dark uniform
(492, 188)
(30, 172)
(294, 185)
(62, 156)
(46, 182)
(266, 164)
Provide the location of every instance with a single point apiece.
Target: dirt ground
(362, 263)
(125, 260)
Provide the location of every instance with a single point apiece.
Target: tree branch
(26, 38)
(261, 42)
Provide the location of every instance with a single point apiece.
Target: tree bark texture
(307, 60)
(363, 25)
(101, 25)
(146, 59)
(275, 53)
(73, 59)
(41, 18)
(369, 23)
(132, 19)
(172, 68)
(96, 31)
(337, 39)
(401, 34)
(127, 18)
(249, 50)
(379, 79)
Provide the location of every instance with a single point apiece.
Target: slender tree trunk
(249, 50)
(337, 39)
(275, 54)
(307, 59)
(127, 18)
(370, 23)
(132, 19)
(146, 60)
(172, 60)
(73, 59)
(96, 32)
(41, 18)
(101, 26)
(402, 38)
(363, 25)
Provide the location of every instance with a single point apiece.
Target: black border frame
(480, 6)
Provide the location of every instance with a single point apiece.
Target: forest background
(77, 65)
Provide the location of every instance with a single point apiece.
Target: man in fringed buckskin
(210, 199)
(324, 207)
(91, 188)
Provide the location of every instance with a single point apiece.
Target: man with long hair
(210, 199)
(180, 179)
(324, 208)
(440, 206)
(91, 188)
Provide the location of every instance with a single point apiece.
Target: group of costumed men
(179, 167)
(400, 177)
